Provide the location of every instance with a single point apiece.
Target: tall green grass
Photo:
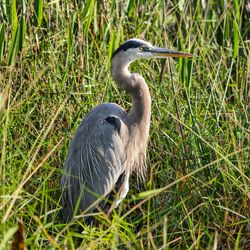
(54, 67)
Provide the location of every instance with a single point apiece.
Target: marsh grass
(54, 59)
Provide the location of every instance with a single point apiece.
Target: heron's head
(135, 48)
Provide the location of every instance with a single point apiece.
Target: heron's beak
(162, 53)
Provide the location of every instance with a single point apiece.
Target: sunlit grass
(54, 67)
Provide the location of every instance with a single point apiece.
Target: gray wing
(95, 160)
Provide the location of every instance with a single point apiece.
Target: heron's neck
(135, 84)
(140, 112)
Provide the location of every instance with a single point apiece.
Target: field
(54, 67)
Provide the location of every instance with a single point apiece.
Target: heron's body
(110, 143)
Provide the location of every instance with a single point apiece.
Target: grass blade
(69, 35)
(13, 49)
(22, 32)
(2, 42)
(236, 39)
(13, 17)
(7, 237)
(111, 45)
(38, 12)
(88, 13)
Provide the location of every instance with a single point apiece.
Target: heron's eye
(144, 48)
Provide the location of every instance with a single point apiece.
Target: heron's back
(95, 160)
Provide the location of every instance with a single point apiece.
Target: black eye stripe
(128, 45)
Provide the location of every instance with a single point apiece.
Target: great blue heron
(110, 143)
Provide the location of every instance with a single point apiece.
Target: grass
(54, 60)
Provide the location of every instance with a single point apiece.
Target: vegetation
(54, 60)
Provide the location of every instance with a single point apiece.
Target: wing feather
(95, 161)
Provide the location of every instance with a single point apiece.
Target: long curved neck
(140, 112)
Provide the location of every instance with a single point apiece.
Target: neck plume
(138, 120)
